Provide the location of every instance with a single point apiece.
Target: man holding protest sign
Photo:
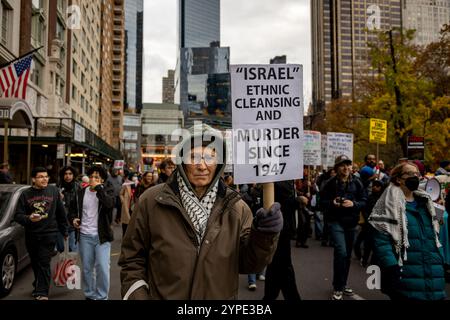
(267, 137)
(195, 222)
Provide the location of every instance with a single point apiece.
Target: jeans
(343, 239)
(95, 259)
(40, 248)
(251, 278)
(318, 228)
(73, 246)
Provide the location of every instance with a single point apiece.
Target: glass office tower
(133, 54)
(205, 81)
(202, 79)
(199, 23)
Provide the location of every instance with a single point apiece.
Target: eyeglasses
(42, 177)
(210, 158)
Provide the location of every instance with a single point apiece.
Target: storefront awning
(17, 112)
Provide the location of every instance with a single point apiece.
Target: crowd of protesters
(374, 213)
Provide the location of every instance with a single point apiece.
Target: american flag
(14, 78)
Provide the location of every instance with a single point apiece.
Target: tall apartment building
(340, 32)
(63, 91)
(86, 66)
(118, 73)
(427, 17)
(168, 87)
(134, 28)
(106, 64)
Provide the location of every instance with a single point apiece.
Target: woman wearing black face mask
(406, 239)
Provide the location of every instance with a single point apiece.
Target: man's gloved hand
(270, 221)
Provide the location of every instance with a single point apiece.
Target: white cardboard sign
(338, 144)
(267, 106)
(312, 148)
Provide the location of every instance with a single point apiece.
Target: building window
(74, 93)
(130, 146)
(6, 16)
(82, 102)
(130, 135)
(37, 28)
(57, 86)
(74, 68)
(74, 44)
(59, 31)
(131, 122)
(36, 73)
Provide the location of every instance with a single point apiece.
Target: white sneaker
(252, 287)
(261, 277)
(348, 291)
(337, 295)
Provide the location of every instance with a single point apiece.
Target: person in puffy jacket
(406, 239)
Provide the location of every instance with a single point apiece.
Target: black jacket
(70, 193)
(105, 195)
(285, 195)
(47, 202)
(352, 190)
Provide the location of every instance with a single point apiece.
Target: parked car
(13, 252)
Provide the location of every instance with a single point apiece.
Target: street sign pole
(378, 151)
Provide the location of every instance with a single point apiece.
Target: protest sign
(338, 144)
(378, 131)
(267, 117)
(312, 148)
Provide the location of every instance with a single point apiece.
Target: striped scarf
(197, 210)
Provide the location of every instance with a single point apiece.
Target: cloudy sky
(255, 31)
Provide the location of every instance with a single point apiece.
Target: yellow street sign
(378, 131)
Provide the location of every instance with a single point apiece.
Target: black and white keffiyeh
(198, 210)
(389, 216)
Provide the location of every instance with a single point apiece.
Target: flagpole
(24, 55)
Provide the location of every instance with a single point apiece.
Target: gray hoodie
(201, 135)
